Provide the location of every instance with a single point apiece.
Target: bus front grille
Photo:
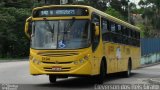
(57, 62)
(58, 53)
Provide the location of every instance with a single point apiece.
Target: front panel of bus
(61, 41)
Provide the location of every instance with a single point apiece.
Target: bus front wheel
(52, 78)
(100, 78)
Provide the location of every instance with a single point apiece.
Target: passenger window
(113, 27)
(123, 30)
(131, 32)
(127, 32)
(119, 28)
(138, 35)
(104, 25)
(135, 35)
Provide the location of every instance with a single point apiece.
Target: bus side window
(138, 34)
(125, 35)
(123, 30)
(119, 33)
(127, 32)
(135, 38)
(132, 38)
(119, 27)
(109, 25)
(104, 29)
(131, 33)
(113, 27)
(135, 34)
(112, 31)
(116, 34)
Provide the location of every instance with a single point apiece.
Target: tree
(151, 15)
(13, 42)
(114, 13)
(120, 6)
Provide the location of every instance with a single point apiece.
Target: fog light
(86, 57)
(38, 62)
(75, 62)
(81, 61)
(34, 60)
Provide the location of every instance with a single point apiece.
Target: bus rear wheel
(128, 72)
(52, 78)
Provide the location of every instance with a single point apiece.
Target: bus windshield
(60, 34)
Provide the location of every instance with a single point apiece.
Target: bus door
(95, 44)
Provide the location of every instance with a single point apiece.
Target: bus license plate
(56, 68)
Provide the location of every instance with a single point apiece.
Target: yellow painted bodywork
(91, 66)
(119, 64)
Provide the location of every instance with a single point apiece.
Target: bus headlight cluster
(35, 61)
(30, 57)
(82, 60)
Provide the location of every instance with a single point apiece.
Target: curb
(14, 60)
(152, 81)
(149, 65)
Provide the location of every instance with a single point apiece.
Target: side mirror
(27, 27)
(97, 30)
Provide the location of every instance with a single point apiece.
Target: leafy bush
(13, 42)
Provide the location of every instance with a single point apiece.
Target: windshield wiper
(50, 27)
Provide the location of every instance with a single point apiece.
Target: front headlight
(82, 60)
(35, 61)
(30, 57)
(86, 57)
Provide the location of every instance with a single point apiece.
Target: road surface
(16, 75)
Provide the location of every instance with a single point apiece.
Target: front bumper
(67, 69)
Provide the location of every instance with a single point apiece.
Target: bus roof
(91, 9)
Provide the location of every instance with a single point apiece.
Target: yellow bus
(78, 40)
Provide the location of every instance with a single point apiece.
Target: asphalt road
(15, 75)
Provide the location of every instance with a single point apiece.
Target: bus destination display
(60, 12)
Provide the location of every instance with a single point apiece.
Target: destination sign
(51, 12)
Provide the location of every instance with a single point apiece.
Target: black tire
(52, 78)
(101, 77)
(128, 72)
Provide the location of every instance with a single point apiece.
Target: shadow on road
(82, 82)
(71, 83)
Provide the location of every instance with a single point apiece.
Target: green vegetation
(13, 42)
(114, 13)
(150, 10)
